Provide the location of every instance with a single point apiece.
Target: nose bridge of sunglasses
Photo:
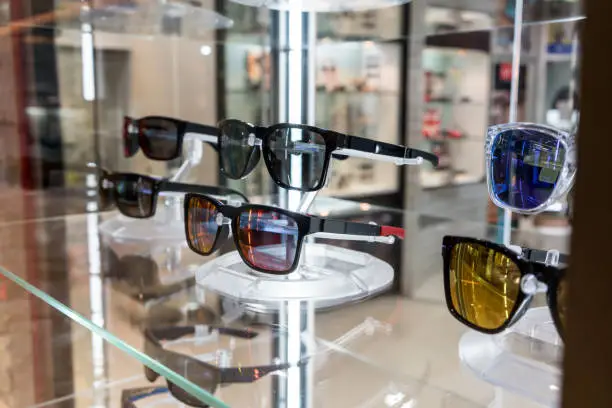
(515, 248)
(107, 184)
(530, 285)
(221, 220)
(253, 140)
(552, 258)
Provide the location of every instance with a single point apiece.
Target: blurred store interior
(429, 74)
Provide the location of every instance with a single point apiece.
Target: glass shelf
(398, 349)
(245, 20)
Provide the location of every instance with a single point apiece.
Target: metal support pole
(293, 35)
(294, 342)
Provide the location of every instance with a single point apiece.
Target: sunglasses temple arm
(128, 397)
(541, 256)
(240, 333)
(174, 187)
(371, 149)
(169, 333)
(176, 332)
(353, 231)
(235, 375)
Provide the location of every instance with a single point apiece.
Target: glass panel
(432, 75)
(115, 289)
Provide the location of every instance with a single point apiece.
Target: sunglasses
(268, 239)
(204, 375)
(136, 195)
(161, 138)
(298, 156)
(489, 287)
(529, 167)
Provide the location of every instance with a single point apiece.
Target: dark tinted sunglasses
(529, 167)
(206, 376)
(136, 195)
(489, 287)
(298, 156)
(268, 239)
(161, 138)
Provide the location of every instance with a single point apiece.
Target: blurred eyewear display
(154, 18)
(140, 277)
(298, 156)
(268, 239)
(161, 138)
(136, 195)
(204, 375)
(529, 166)
(489, 287)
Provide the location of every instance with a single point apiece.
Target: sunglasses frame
(566, 177)
(333, 141)
(302, 221)
(114, 177)
(307, 225)
(549, 275)
(137, 139)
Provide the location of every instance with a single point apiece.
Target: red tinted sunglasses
(268, 239)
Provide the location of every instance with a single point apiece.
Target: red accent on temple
(395, 231)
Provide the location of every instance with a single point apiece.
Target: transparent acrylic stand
(326, 276)
(525, 359)
(322, 5)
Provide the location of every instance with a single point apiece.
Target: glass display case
(394, 106)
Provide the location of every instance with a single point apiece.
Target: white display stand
(327, 276)
(525, 359)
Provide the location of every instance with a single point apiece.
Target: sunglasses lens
(236, 154)
(134, 195)
(268, 240)
(525, 167)
(159, 138)
(202, 227)
(297, 157)
(484, 285)
(201, 374)
(130, 137)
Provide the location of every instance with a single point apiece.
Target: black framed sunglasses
(268, 239)
(161, 138)
(489, 287)
(298, 156)
(135, 195)
(204, 375)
